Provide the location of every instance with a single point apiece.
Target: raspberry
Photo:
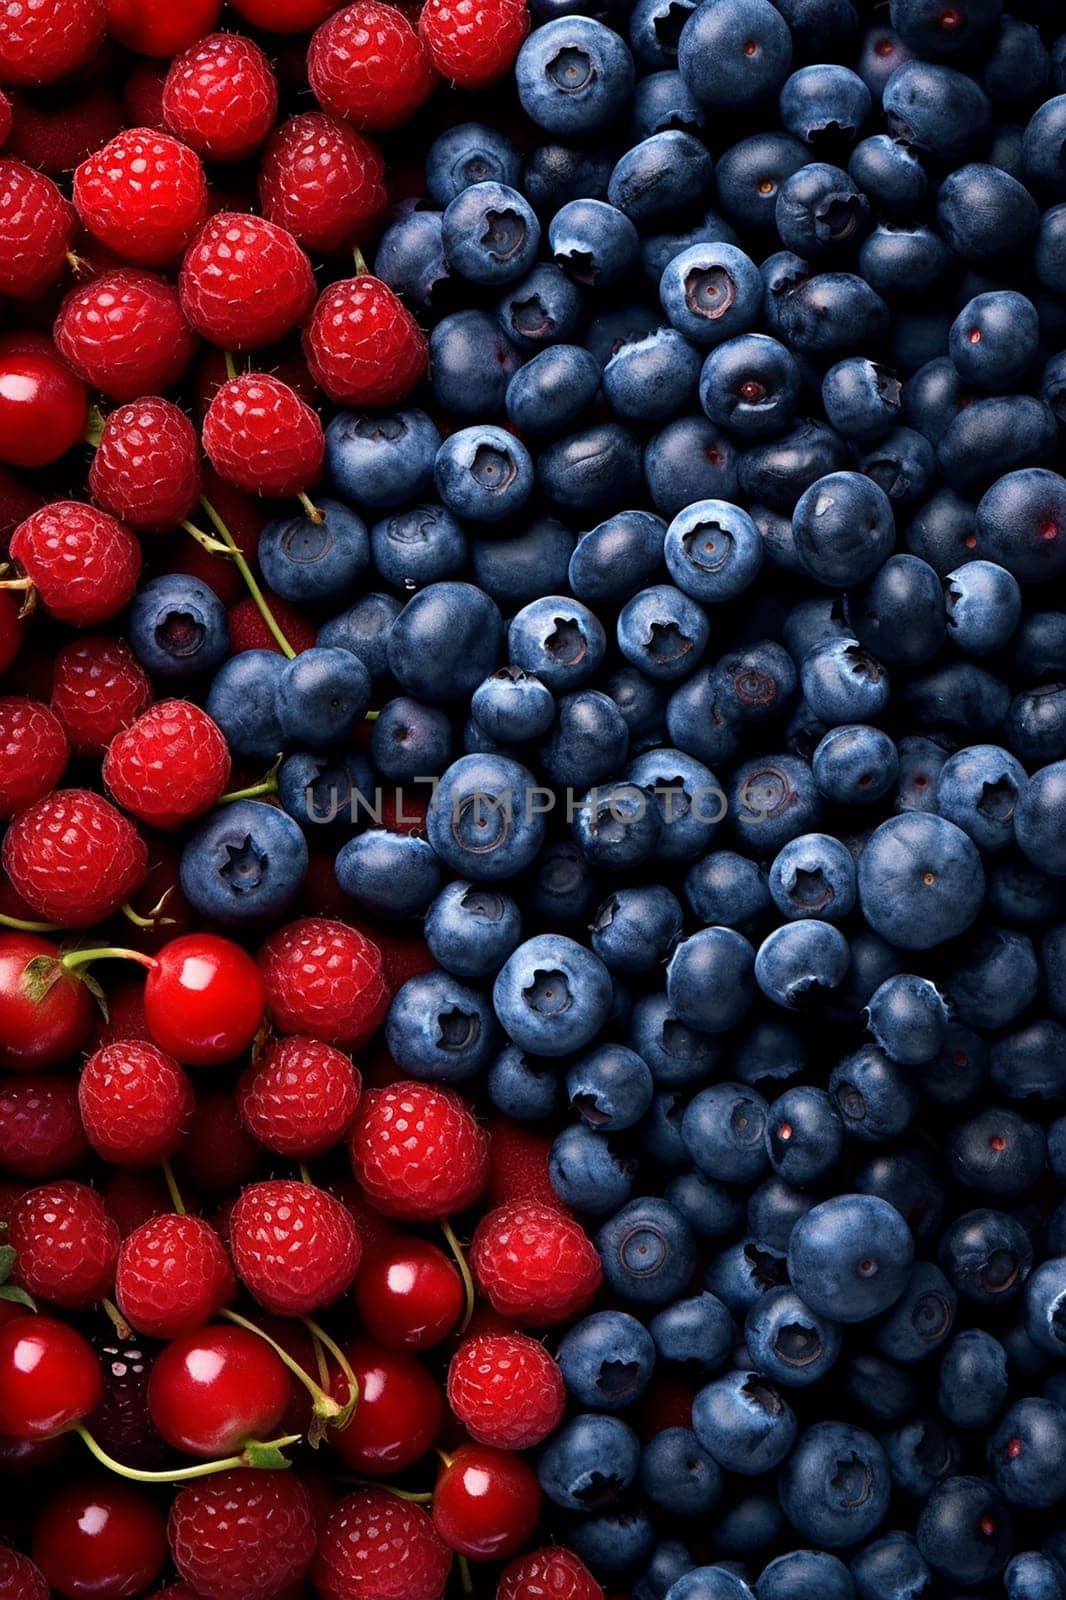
(159, 27)
(518, 1164)
(169, 766)
(83, 562)
(173, 1276)
(259, 434)
(299, 1097)
(245, 282)
(362, 345)
(146, 468)
(473, 42)
(296, 1248)
(553, 1573)
(418, 1152)
(74, 858)
(66, 1244)
(42, 40)
(36, 225)
(506, 1390)
(98, 688)
(55, 137)
(248, 631)
(121, 1422)
(534, 1264)
(221, 97)
(33, 753)
(217, 1153)
(21, 1578)
(368, 65)
(322, 181)
(135, 1102)
(378, 1547)
(125, 334)
(242, 1535)
(40, 1126)
(143, 196)
(324, 979)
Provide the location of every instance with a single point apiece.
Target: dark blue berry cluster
(711, 600)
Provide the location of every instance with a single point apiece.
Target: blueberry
(521, 565)
(850, 1257)
(908, 1017)
(813, 876)
(1033, 1576)
(696, 1332)
(862, 399)
(751, 385)
(844, 529)
(524, 1087)
(890, 1567)
(723, 1129)
(410, 255)
(439, 1030)
(855, 765)
(610, 1088)
(615, 559)
(513, 705)
(660, 175)
(320, 790)
(1026, 1453)
(382, 461)
(713, 551)
(787, 1342)
(471, 362)
(727, 889)
(1021, 523)
(588, 742)
(445, 640)
(310, 562)
(594, 470)
(245, 865)
(711, 1210)
(965, 1531)
(553, 390)
(920, 880)
(935, 109)
(987, 1255)
(594, 243)
(483, 820)
(709, 980)
(749, 178)
(772, 800)
(607, 1360)
(734, 53)
(388, 874)
(651, 379)
(803, 1135)
(677, 1055)
(1038, 819)
(321, 696)
(922, 1319)
(690, 459)
(364, 630)
(648, 1252)
(890, 174)
(467, 154)
(242, 700)
(573, 76)
(589, 1462)
(711, 292)
(801, 1573)
(613, 1541)
(825, 105)
(483, 473)
(588, 1173)
(994, 339)
(542, 309)
(875, 1099)
(741, 1272)
(552, 996)
(800, 962)
(677, 1475)
(177, 626)
(835, 1486)
(744, 1422)
(490, 234)
(982, 212)
(900, 614)
(635, 928)
(820, 211)
(921, 1453)
(711, 1583)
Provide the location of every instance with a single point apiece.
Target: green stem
(321, 1336)
(360, 261)
(269, 785)
(312, 511)
(231, 369)
(324, 1404)
(115, 1317)
(185, 1474)
(107, 952)
(249, 577)
(305, 1173)
(172, 1188)
(154, 919)
(464, 1574)
(29, 927)
(464, 1271)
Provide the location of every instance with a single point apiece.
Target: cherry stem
(417, 1498)
(305, 1172)
(185, 1474)
(249, 577)
(118, 1321)
(107, 952)
(464, 1271)
(172, 1188)
(269, 785)
(320, 1336)
(29, 927)
(312, 511)
(154, 919)
(464, 1574)
(360, 261)
(444, 1458)
(94, 428)
(231, 368)
(324, 1404)
(16, 583)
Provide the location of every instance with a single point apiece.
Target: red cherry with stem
(49, 1378)
(399, 1413)
(408, 1294)
(203, 999)
(100, 1540)
(159, 27)
(486, 1503)
(39, 1032)
(43, 408)
(215, 1389)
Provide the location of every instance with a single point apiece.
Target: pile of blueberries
(725, 635)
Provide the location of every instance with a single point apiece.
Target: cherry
(43, 408)
(399, 1412)
(39, 1031)
(408, 1294)
(49, 1378)
(486, 1503)
(159, 27)
(100, 1540)
(203, 999)
(215, 1389)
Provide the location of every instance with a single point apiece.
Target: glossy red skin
(43, 408)
(38, 1033)
(100, 1540)
(486, 1503)
(203, 999)
(408, 1294)
(49, 1378)
(159, 27)
(399, 1413)
(214, 1389)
